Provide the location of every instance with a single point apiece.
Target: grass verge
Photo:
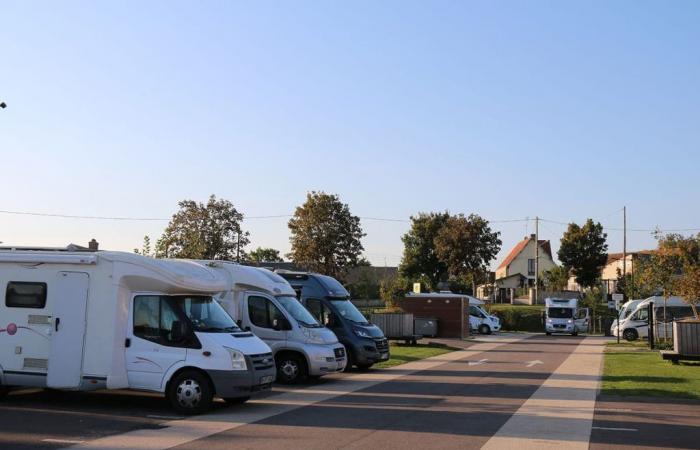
(632, 370)
(402, 353)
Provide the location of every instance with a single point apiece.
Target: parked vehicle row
(634, 321)
(191, 330)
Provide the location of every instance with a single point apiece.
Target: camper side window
(147, 317)
(24, 294)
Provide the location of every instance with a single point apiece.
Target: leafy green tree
(325, 236)
(420, 258)
(263, 255)
(583, 251)
(204, 231)
(393, 290)
(466, 245)
(556, 278)
(689, 287)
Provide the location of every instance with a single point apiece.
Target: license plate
(266, 379)
(384, 356)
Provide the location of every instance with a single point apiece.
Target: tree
(204, 231)
(466, 245)
(689, 287)
(556, 278)
(262, 255)
(325, 236)
(393, 290)
(145, 247)
(583, 251)
(420, 258)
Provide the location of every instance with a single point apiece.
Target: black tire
(548, 333)
(4, 390)
(630, 335)
(364, 367)
(190, 392)
(575, 333)
(484, 329)
(236, 400)
(291, 368)
(350, 357)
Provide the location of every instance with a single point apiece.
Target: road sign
(416, 288)
(612, 304)
(618, 297)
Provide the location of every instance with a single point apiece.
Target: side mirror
(178, 331)
(281, 324)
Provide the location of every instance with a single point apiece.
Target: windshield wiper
(220, 329)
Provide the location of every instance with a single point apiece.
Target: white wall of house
(521, 264)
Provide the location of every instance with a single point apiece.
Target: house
(517, 270)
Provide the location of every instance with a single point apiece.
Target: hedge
(519, 317)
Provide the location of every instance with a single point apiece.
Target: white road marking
(560, 413)
(62, 441)
(615, 429)
(478, 363)
(180, 432)
(533, 363)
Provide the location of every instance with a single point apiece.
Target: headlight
(237, 359)
(569, 321)
(312, 336)
(362, 333)
(549, 320)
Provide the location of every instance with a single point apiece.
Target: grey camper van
(330, 303)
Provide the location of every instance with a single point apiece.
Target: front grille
(339, 352)
(262, 361)
(382, 345)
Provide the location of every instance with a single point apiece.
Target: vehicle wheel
(4, 390)
(190, 392)
(548, 333)
(350, 360)
(364, 367)
(484, 329)
(291, 368)
(236, 400)
(575, 333)
(630, 335)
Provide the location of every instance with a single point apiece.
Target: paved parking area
(524, 391)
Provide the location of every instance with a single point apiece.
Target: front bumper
(325, 359)
(370, 351)
(560, 328)
(256, 380)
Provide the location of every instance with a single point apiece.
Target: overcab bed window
(25, 294)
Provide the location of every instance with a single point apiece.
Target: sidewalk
(560, 413)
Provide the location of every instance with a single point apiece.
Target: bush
(519, 317)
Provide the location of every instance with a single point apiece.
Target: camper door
(68, 333)
(582, 319)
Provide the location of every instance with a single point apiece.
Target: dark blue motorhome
(330, 303)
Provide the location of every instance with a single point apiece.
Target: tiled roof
(520, 246)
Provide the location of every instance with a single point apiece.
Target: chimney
(93, 245)
(532, 236)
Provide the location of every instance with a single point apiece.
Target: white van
(625, 310)
(562, 315)
(480, 320)
(112, 320)
(265, 303)
(636, 325)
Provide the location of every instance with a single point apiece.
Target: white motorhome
(564, 316)
(266, 304)
(113, 320)
(625, 310)
(636, 324)
(480, 320)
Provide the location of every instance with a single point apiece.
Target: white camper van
(625, 310)
(480, 320)
(636, 324)
(564, 316)
(265, 303)
(96, 320)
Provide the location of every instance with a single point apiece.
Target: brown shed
(451, 311)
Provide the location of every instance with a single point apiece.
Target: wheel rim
(290, 369)
(189, 393)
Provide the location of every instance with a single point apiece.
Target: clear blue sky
(565, 110)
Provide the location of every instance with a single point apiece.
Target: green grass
(631, 370)
(402, 353)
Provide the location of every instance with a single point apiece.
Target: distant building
(615, 263)
(517, 270)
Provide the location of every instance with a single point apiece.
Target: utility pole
(624, 241)
(537, 258)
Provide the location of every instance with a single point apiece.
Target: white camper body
(96, 320)
(564, 316)
(636, 324)
(479, 319)
(266, 304)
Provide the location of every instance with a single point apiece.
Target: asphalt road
(458, 401)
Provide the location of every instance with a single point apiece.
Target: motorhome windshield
(560, 313)
(349, 311)
(297, 310)
(205, 314)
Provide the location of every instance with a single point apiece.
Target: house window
(23, 294)
(531, 266)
